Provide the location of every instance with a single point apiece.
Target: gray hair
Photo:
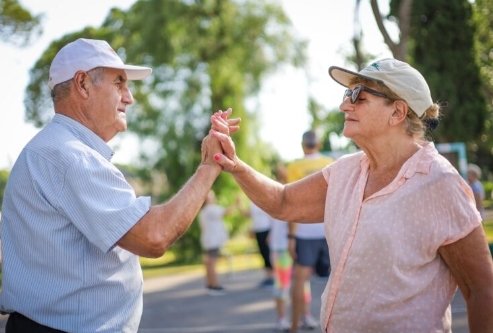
(474, 169)
(62, 90)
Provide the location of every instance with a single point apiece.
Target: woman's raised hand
(221, 128)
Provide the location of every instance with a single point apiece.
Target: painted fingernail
(217, 157)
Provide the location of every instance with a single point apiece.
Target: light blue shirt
(65, 207)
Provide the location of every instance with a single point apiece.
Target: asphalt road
(183, 306)
(180, 304)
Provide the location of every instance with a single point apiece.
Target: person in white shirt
(261, 225)
(212, 238)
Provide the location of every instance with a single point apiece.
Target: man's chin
(122, 123)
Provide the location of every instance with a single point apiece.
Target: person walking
(473, 178)
(400, 221)
(260, 230)
(213, 236)
(283, 269)
(282, 263)
(72, 226)
(307, 243)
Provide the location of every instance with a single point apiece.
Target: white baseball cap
(86, 54)
(399, 76)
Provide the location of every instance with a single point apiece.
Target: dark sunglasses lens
(347, 93)
(355, 94)
(352, 94)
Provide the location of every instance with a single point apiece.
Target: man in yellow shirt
(307, 242)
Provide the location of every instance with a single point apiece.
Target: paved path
(179, 304)
(183, 306)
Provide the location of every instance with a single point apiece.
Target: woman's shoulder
(349, 159)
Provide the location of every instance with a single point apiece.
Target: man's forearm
(163, 224)
(181, 209)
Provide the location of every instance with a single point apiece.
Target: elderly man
(73, 228)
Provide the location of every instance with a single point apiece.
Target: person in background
(72, 226)
(283, 269)
(212, 238)
(261, 225)
(282, 263)
(401, 222)
(307, 243)
(473, 178)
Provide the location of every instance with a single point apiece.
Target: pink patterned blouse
(386, 273)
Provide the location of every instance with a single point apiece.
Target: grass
(488, 230)
(240, 253)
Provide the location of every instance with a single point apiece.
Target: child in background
(282, 267)
(212, 238)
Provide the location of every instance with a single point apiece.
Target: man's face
(108, 100)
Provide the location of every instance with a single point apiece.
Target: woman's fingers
(221, 122)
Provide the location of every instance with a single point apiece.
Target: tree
(207, 55)
(437, 38)
(482, 12)
(443, 50)
(17, 25)
(400, 13)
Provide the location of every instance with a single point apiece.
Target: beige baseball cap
(399, 76)
(86, 54)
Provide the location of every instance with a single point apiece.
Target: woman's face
(367, 118)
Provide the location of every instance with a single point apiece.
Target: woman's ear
(400, 113)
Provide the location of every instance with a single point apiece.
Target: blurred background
(267, 60)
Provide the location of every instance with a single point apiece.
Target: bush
(488, 189)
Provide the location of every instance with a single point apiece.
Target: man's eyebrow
(121, 78)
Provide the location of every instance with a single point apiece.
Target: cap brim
(344, 76)
(135, 72)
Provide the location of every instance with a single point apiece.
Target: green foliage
(327, 122)
(17, 25)
(4, 175)
(206, 55)
(488, 189)
(443, 50)
(483, 12)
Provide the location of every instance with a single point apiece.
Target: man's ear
(82, 81)
(400, 113)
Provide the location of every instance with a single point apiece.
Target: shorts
(212, 253)
(313, 253)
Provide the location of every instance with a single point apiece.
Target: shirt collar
(420, 162)
(85, 135)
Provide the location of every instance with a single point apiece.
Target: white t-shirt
(213, 230)
(310, 230)
(278, 235)
(261, 221)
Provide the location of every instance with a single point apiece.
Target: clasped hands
(218, 143)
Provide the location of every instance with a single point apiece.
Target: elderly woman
(400, 221)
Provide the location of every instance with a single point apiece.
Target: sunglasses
(354, 93)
